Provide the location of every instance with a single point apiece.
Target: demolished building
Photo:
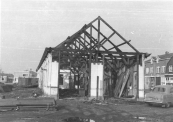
(96, 60)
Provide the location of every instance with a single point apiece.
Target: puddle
(77, 119)
(28, 118)
(147, 119)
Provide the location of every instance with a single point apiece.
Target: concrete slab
(28, 102)
(8, 102)
(36, 101)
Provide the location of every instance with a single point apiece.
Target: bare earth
(79, 110)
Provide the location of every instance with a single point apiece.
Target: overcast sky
(28, 26)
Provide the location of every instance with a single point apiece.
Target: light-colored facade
(48, 76)
(24, 74)
(49, 72)
(6, 78)
(65, 79)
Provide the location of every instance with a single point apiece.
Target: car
(161, 94)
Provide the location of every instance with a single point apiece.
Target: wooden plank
(93, 51)
(130, 81)
(8, 102)
(137, 96)
(119, 45)
(59, 61)
(118, 50)
(81, 43)
(98, 38)
(90, 47)
(119, 35)
(27, 102)
(118, 84)
(35, 101)
(91, 35)
(124, 82)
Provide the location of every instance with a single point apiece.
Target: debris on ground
(116, 100)
(72, 94)
(23, 98)
(5, 88)
(66, 93)
(19, 92)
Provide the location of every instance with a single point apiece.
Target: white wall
(54, 78)
(96, 70)
(48, 76)
(141, 79)
(66, 74)
(3, 79)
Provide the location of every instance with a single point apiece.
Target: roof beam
(119, 35)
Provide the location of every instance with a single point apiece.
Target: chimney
(166, 52)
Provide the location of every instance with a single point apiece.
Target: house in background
(24, 74)
(155, 70)
(169, 72)
(26, 78)
(6, 78)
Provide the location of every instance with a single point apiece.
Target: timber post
(89, 85)
(97, 91)
(59, 59)
(137, 66)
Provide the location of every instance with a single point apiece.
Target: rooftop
(167, 55)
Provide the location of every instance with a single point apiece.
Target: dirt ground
(20, 92)
(80, 109)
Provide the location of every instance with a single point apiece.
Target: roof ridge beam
(119, 35)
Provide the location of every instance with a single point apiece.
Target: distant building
(64, 82)
(157, 70)
(24, 74)
(6, 78)
(169, 72)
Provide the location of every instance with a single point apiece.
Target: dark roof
(167, 55)
(6, 74)
(164, 56)
(46, 51)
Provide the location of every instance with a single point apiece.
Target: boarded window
(61, 79)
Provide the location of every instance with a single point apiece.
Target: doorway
(158, 81)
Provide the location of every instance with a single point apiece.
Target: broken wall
(127, 78)
(48, 76)
(96, 74)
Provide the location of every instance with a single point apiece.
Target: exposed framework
(94, 42)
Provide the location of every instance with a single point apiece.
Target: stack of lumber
(28, 103)
(124, 81)
(118, 84)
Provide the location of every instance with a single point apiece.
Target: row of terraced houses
(159, 70)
